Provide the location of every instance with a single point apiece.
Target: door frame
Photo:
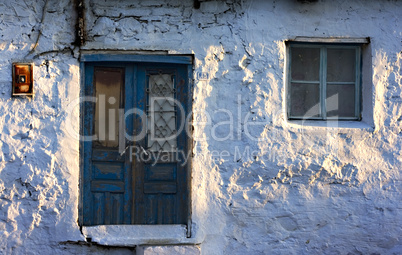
(95, 58)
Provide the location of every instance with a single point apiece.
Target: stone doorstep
(168, 250)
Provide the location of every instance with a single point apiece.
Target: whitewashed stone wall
(300, 190)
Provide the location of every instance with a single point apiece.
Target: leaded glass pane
(161, 124)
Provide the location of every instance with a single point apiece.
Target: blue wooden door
(107, 195)
(160, 187)
(130, 178)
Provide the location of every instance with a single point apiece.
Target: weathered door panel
(107, 193)
(119, 188)
(160, 180)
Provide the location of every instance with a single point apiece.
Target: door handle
(122, 132)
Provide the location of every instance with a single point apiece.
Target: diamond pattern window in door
(161, 113)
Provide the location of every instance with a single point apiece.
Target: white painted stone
(214, 6)
(168, 250)
(133, 235)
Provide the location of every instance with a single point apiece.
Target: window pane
(305, 100)
(340, 101)
(305, 64)
(108, 83)
(341, 65)
(161, 113)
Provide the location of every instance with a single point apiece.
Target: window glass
(305, 100)
(161, 113)
(340, 100)
(341, 66)
(108, 92)
(305, 64)
(321, 72)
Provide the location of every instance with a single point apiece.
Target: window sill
(133, 235)
(330, 124)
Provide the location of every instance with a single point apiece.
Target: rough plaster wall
(300, 190)
(38, 159)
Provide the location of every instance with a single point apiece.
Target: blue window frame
(324, 81)
(134, 151)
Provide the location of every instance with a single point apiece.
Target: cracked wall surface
(275, 187)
